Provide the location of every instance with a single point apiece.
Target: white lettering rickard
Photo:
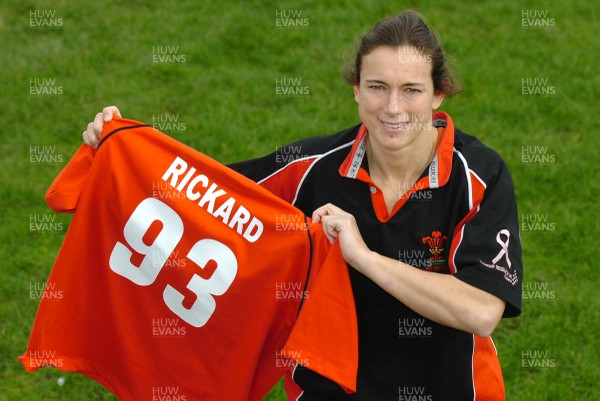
(213, 199)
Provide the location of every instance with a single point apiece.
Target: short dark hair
(408, 28)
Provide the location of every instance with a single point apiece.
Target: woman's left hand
(339, 224)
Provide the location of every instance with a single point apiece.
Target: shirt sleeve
(486, 248)
(325, 335)
(63, 195)
(280, 174)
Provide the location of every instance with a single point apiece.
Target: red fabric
(152, 300)
(286, 185)
(487, 375)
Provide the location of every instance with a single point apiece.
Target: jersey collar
(439, 169)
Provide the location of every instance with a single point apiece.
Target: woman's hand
(338, 224)
(91, 136)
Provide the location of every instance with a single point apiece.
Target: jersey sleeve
(325, 335)
(281, 179)
(63, 195)
(486, 248)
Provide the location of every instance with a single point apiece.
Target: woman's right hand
(91, 136)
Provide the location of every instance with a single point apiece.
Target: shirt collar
(439, 169)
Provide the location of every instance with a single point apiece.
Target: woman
(426, 217)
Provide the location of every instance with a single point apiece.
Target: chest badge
(435, 242)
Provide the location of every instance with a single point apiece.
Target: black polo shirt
(459, 218)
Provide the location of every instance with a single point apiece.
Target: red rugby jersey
(180, 277)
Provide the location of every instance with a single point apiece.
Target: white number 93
(156, 254)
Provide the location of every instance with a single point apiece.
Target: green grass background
(225, 95)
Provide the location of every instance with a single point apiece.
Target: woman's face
(395, 96)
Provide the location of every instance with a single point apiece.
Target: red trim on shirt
(445, 150)
(477, 192)
(286, 185)
(487, 375)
